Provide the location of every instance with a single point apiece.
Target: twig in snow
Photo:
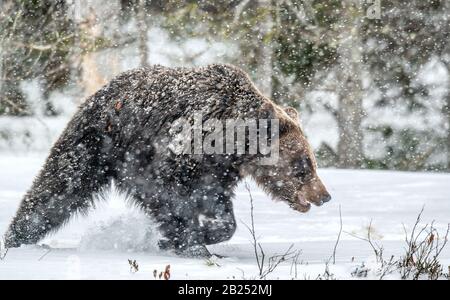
(242, 273)
(387, 266)
(424, 247)
(295, 263)
(265, 265)
(422, 256)
(339, 236)
(134, 267)
(45, 254)
(377, 249)
(252, 231)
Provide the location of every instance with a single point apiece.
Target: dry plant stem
(424, 248)
(327, 275)
(387, 266)
(295, 263)
(265, 265)
(276, 260)
(339, 236)
(378, 250)
(253, 234)
(45, 254)
(242, 273)
(424, 245)
(134, 267)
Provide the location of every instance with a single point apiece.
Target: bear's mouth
(301, 205)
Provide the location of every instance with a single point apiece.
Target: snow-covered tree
(36, 38)
(332, 57)
(397, 50)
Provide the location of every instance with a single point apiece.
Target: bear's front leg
(217, 223)
(183, 237)
(211, 222)
(187, 221)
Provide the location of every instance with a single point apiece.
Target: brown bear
(121, 133)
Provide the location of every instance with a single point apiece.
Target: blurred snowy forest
(371, 78)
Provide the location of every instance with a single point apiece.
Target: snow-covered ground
(99, 246)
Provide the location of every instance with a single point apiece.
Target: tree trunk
(77, 51)
(350, 90)
(446, 59)
(141, 15)
(95, 21)
(446, 112)
(1, 67)
(12, 99)
(264, 62)
(350, 148)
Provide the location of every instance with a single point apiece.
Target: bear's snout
(326, 199)
(315, 192)
(323, 200)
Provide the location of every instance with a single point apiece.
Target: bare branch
(332, 110)
(239, 9)
(45, 254)
(301, 15)
(253, 232)
(423, 250)
(339, 236)
(266, 265)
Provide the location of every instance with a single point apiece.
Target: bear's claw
(197, 251)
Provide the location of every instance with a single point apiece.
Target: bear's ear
(267, 111)
(272, 111)
(291, 112)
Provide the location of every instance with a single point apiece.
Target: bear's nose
(326, 199)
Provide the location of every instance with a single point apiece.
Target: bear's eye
(303, 168)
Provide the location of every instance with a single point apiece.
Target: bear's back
(155, 95)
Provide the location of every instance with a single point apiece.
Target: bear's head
(293, 178)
